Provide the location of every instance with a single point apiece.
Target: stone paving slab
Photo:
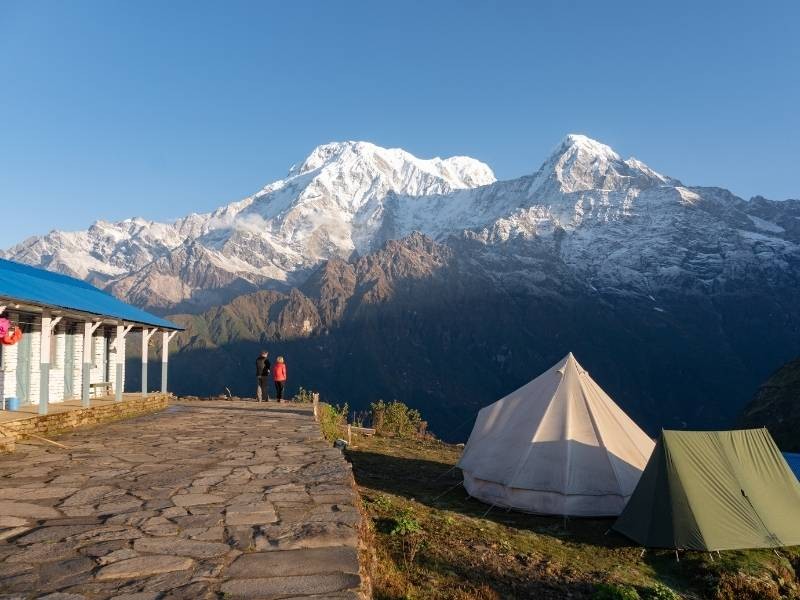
(203, 500)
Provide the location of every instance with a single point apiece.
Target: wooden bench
(101, 385)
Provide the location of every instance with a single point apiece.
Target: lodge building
(63, 339)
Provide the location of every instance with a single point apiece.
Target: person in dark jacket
(279, 375)
(262, 376)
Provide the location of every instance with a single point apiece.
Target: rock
(104, 548)
(312, 561)
(44, 493)
(160, 526)
(144, 566)
(6, 534)
(307, 535)
(53, 534)
(63, 573)
(280, 587)
(196, 499)
(87, 495)
(105, 534)
(181, 547)
(174, 511)
(42, 552)
(255, 514)
(10, 508)
(116, 556)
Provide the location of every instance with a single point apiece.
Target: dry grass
(467, 553)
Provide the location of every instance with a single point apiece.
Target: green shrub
(412, 536)
(660, 592)
(395, 418)
(609, 591)
(332, 420)
(741, 586)
(304, 395)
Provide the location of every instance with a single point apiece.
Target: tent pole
(450, 489)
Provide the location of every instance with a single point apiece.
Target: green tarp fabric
(714, 490)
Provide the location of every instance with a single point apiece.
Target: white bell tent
(558, 445)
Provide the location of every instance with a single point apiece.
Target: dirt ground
(433, 541)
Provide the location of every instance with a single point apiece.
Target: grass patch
(452, 548)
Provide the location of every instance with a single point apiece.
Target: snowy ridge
(618, 223)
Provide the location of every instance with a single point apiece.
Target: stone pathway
(203, 500)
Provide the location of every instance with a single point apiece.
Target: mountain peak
(576, 142)
(580, 163)
(349, 156)
(333, 152)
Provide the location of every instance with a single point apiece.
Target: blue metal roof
(29, 284)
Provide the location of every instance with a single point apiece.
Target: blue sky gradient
(112, 109)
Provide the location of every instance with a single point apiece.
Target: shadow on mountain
(420, 323)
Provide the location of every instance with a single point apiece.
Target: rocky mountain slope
(449, 328)
(776, 406)
(615, 223)
(332, 205)
(679, 299)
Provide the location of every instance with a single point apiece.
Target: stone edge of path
(365, 546)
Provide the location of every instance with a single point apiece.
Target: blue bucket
(12, 403)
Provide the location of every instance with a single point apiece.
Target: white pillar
(119, 359)
(166, 337)
(44, 363)
(89, 329)
(146, 335)
(164, 360)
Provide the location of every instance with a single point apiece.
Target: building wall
(8, 372)
(102, 339)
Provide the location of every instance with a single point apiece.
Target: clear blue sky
(112, 109)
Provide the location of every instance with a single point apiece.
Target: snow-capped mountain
(331, 205)
(617, 223)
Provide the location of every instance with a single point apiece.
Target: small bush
(740, 586)
(332, 419)
(412, 537)
(396, 419)
(609, 591)
(659, 592)
(304, 395)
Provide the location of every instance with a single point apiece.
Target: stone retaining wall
(62, 421)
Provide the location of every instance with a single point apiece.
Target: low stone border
(47, 425)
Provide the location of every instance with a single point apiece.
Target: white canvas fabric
(557, 445)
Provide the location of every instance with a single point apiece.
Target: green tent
(714, 490)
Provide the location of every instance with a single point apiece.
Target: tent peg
(677, 558)
(711, 555)
(641, 554)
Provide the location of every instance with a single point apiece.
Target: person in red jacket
(279, 375)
